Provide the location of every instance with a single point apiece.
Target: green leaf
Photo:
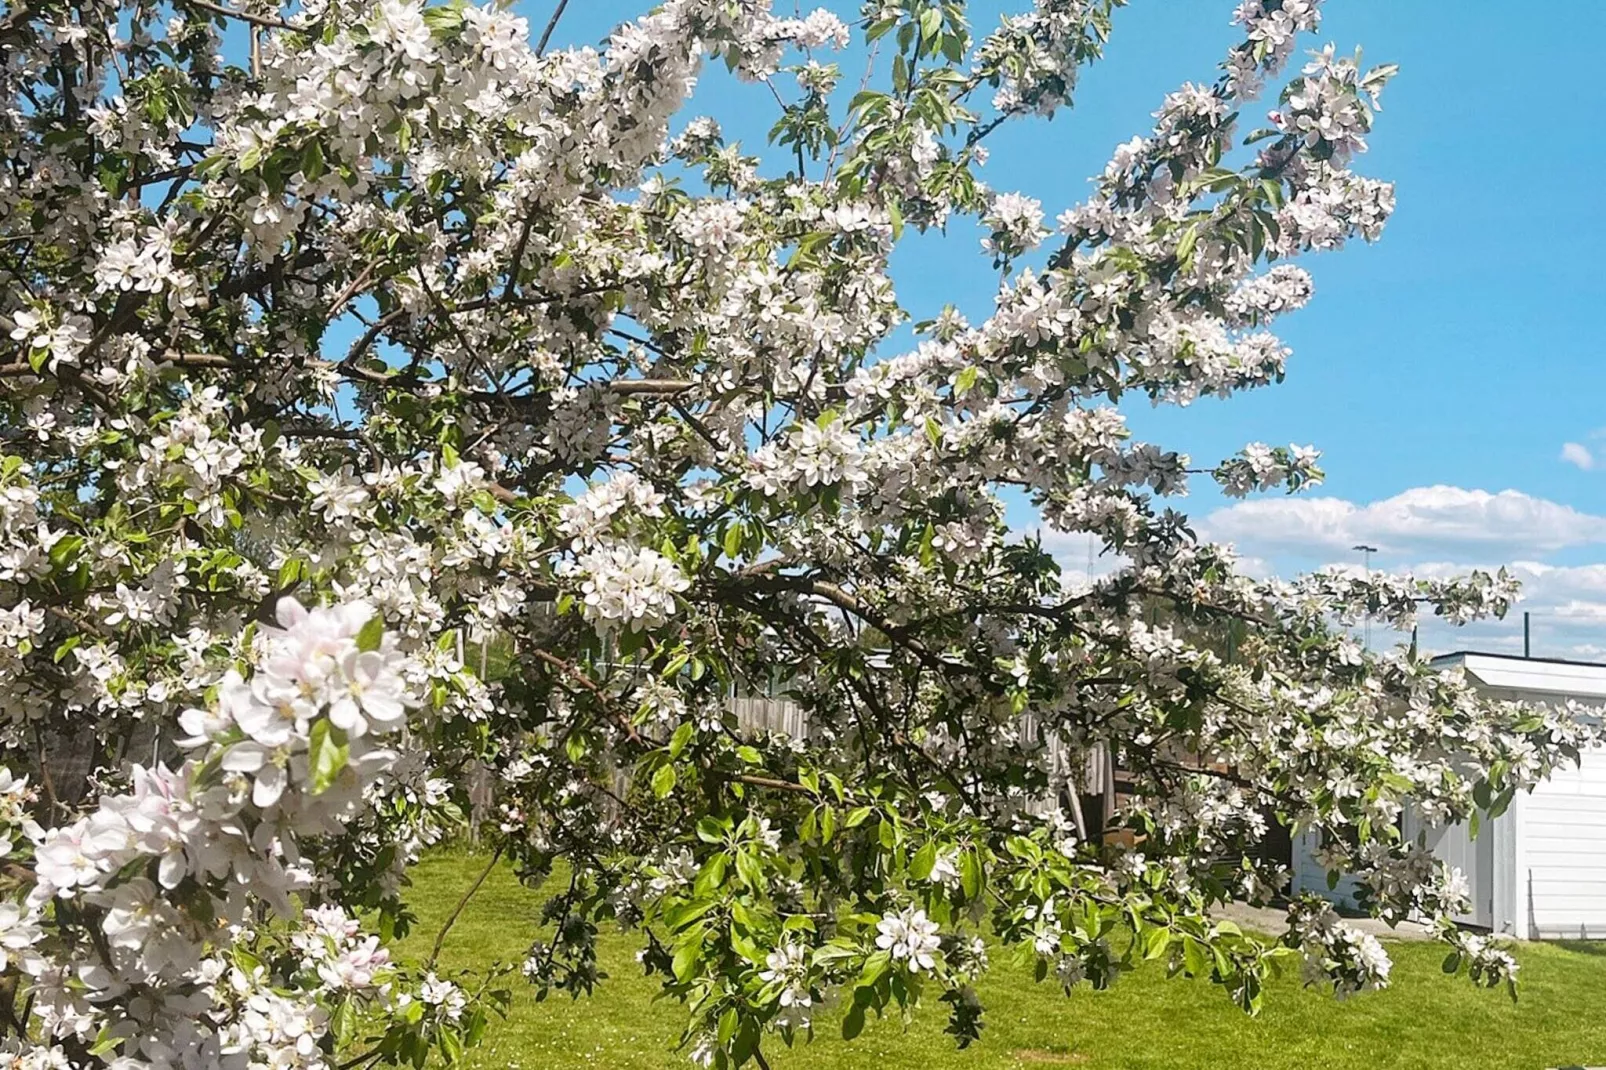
(970, 875)
(663, 781)
(372, 632)
(733, 540)
(874, 968)
(328, 754)
(685, 960)
(853, 1022)
(888, 835)
(312, 162)
(682, 737)
(746, 1042)
(711, 876)
(876, 30)
(291, 571)
(106, 1042)
(1190, 238)
(924, 861)
(342, 1023)
(1195, 957)
(896, 212)
(749, 870)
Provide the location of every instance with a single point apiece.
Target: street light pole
(1366, 564)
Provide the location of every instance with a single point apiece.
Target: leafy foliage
(570, 422)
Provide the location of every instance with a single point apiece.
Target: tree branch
(462, 904)
(255, 20)
(551, 24)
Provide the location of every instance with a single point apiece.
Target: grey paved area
(1274, 920)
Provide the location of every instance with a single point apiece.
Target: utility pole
(1366, 565)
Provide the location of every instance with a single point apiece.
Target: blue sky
(1445, 365)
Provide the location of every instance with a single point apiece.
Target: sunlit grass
(1144, 1023)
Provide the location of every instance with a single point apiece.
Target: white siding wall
(1564, 844)
(1309, 876)
(1542, 873)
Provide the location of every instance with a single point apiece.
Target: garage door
(1311, 876)
(1458, 850)
(1564, 845)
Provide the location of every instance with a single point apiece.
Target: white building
(1538, 871)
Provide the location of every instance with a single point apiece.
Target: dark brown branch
(770, 782)
(572, 672)
(649, 386)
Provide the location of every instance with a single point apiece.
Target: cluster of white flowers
(1047, 47)
(816, 455)
(447, 329)
(630, 587)
(1271, 31)
(286, 757)
(945, 868)
(334, 946)
(1285, 288)
(787, 968)
(1263, 467)
(58, 343)
(1488, 962)
(1337, 953)
(1016, 223)
(910, 938)
(591, 518)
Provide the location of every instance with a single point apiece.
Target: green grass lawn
(1145, 1022)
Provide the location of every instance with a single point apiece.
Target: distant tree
(558, 419)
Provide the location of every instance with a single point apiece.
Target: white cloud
(1567, 606)
(1577, 454)
(1081, 557)
(1415, 521)
(1437, 531)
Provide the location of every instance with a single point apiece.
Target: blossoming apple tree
(401, 418)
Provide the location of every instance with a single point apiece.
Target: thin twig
(228, 12)
(366, 1057)
(770, 782)
(574, 673)
(462, 904)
